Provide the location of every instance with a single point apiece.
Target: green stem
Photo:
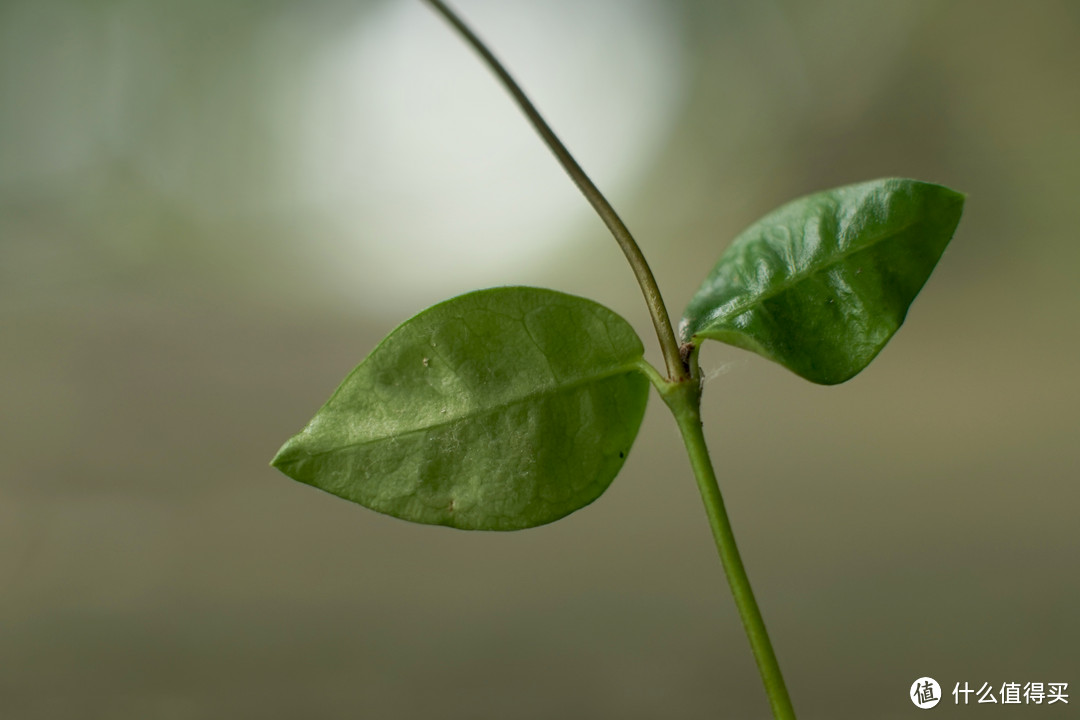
(681, 390)
(684, 400)
(677, 370)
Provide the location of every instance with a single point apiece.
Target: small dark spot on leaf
(622, 454)
(450, 507)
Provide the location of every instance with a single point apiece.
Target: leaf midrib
(797, 278)
(621, 370)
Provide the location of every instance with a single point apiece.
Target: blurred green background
(210, 212)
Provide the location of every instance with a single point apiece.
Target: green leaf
(498, 410)
(821, 284)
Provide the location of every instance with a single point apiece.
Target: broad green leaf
(498, 410)
(821, 284)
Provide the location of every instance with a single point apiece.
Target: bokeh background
(210, 212)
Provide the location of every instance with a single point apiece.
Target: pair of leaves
(511, 407)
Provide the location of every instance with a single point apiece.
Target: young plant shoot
(511, 407)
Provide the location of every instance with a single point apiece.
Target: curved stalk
(677, 370)
(681, 390)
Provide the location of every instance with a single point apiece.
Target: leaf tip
(945, 195)
(288, 456)
(955, 196)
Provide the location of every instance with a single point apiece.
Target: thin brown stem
(677, 370)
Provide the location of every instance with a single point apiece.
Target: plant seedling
(511, 407)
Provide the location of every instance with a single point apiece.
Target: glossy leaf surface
(498, 410)
(821, 284)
